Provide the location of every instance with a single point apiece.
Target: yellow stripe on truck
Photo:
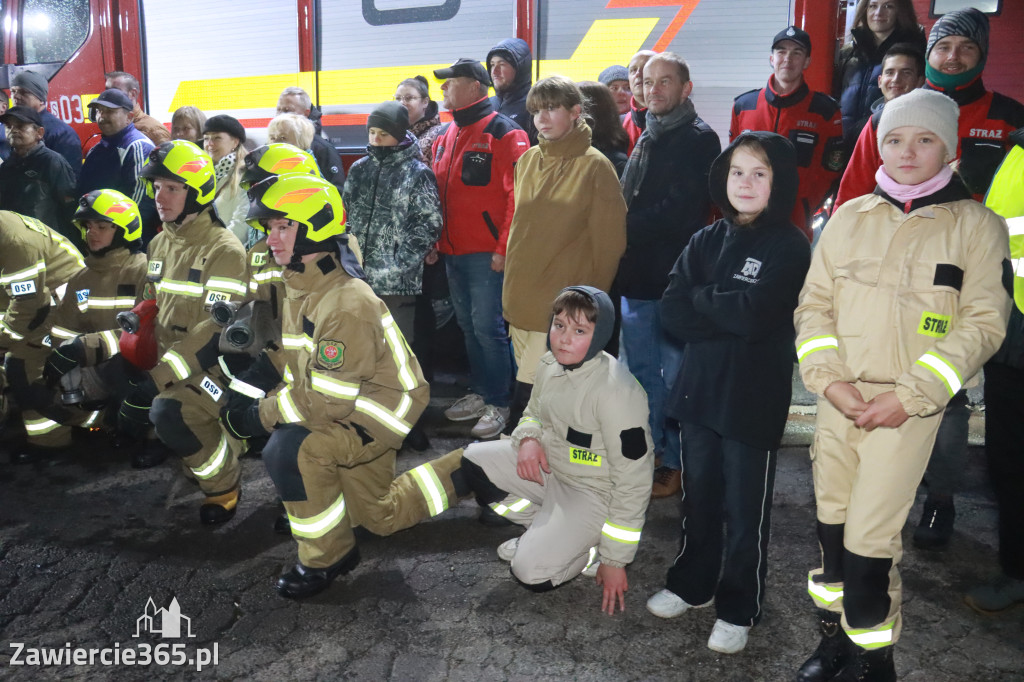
(608, 41)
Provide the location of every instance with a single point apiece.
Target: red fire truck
(234, 57)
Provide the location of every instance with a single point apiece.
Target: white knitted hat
(926, 109)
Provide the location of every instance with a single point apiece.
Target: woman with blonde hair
(291, 128)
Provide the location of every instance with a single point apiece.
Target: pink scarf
(907, 193)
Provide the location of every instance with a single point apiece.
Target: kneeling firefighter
(350, 391)
(193, 263)
(87, 363)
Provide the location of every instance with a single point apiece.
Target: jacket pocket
(856, 281)
(805, 143)
(476, 168)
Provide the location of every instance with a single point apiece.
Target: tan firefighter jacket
(110, 284)
(35, 262)
(346, 360)
(916, 300)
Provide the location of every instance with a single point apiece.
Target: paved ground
(84, 544)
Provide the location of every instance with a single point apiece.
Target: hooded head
(781, 157)
(516, 52)
(595, 306)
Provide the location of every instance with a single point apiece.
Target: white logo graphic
(165, 622)
(751, 268)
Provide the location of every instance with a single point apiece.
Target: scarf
(636, 167)
(907, 193)
(223, 168)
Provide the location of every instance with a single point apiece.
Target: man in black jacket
(37, 181)
(295, 100)
(510, 63)
(665, 185)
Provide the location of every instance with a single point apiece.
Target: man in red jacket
(473, 161)
(956, 54)
(811, 121)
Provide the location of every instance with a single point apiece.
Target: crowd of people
(631, 297)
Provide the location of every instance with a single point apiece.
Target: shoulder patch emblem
(331, 354)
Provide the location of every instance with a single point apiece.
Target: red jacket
(986, 121)
(473, 161)
(813, 123)
(634, 123)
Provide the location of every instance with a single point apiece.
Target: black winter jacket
(672, 204)
(41, 184)
(512, 103)
(855, 82)
(731, 299)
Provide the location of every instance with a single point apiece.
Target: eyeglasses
(407, 98)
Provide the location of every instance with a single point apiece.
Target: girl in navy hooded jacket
(730, 299)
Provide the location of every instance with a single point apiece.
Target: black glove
(133, 417)
(65, 358)
(244, 423)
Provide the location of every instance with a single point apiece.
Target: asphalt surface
(85, 542)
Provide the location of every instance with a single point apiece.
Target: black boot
(302, 581)
(935, 529)
(869, 665)
(834, 651)
(520, 399)
(417, 438)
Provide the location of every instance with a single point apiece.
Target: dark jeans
(1004, 447)
(724, 483)
(949, 454)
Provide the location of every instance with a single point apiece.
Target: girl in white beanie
(903, 303)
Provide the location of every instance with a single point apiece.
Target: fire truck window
(51, 30)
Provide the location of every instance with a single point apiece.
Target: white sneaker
(492, 423)
(465, 408)
(667, 604)
(507, 549)
(727, 638)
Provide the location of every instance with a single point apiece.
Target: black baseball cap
(465, 68)
(797, 35)
(24, 114)
(113, 98)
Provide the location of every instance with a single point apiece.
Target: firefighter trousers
(186, 417)
(563, 522)
(334, 477)
(864, 485)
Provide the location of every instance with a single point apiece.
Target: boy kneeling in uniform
(577, 471)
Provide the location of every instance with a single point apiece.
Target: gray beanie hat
(969, 23)
(614, 73)
(390, 116)
(33, 82)
(926, 109)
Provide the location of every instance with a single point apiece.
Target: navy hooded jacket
(730, 299)
(512, 102)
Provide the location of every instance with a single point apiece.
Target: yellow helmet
(312, 202)
(114, 207)
(276, 159)
(182, 161)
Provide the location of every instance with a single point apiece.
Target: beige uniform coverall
(592, 423)
(913, 303)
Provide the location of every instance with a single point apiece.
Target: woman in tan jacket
(569, 226)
